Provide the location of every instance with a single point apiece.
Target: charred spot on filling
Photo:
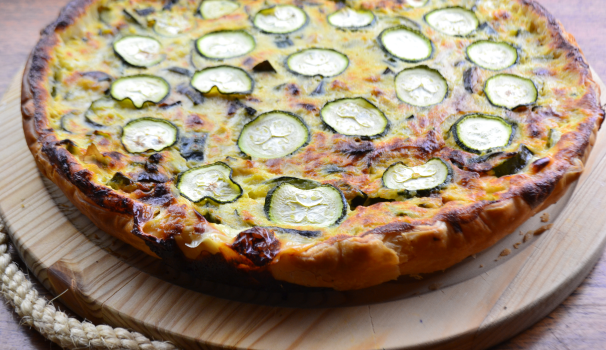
(160, 195)
(292, 89)
(258, 244)
(355, 147)
(309, 107)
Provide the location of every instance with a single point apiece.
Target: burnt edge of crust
(43, 142)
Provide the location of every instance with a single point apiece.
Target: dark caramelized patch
(258, 244)
(471, 79)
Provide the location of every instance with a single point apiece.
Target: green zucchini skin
(289, 113)
(517, 49)
(457, 8)
(252, 81)
(512, 75)
(177, 134)
(429, 69)
(224, 31)
(514, 164)
(363, 137)
(402, 26)
(286, 33)
(461, 144)
(231, 171)
(168, 89)
(129, 64)
(372, 23)
(314, 48)
(304, 184)
(426, 192)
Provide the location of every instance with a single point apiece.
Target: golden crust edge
(335, 263)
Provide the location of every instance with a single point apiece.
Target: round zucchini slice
(273, 135)
(492, 55)
(354, 117)
(416, 3)
(406, 44)
(211, 9)
(225, 44)
(319, 206)
(510, 91)
(455, 21)
(140, 89)
(139, 51)
(430, 176)
(148, 134)
(171, 24)
(102, 113)
(281, 19)
(213, 181)
(227, 79)
(347, 18)
(421, 86)
(479, 133)
(312, 62)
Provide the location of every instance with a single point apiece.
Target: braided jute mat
(67, 332)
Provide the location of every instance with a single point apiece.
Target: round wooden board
(473, 305)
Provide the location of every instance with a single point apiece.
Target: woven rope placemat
(55, 325)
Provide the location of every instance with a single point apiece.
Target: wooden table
(579, 323)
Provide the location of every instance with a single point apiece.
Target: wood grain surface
(579, 323)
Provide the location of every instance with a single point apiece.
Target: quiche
(284, 143)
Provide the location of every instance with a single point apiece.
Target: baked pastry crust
(344, 261)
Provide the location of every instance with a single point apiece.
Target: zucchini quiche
(336, 144)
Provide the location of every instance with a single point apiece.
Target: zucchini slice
(430, 176)
(318, 206)
(312, 62)
(212, 181)
(227, 79)
(406, 44)
(514, 164)
(347, 18)
(140, 89)
(477, 133)
(273, 135)
(421, 86)
(416, 3)
(553, 138)
(492, 55)
(211, 9)
(102, 113)
(139, 51)
(455, 21)
(145, 134)
(171, 24)
(225, 44)
(354, 117)
(280, 19)
(510, 91)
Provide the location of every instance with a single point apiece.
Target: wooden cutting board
(476, 304)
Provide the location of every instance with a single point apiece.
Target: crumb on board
(542, 229)
(527, 236)
(521, 233)
(517, 245)
(545, 217)
(481, 266)
(505, 252)
(473, 256)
